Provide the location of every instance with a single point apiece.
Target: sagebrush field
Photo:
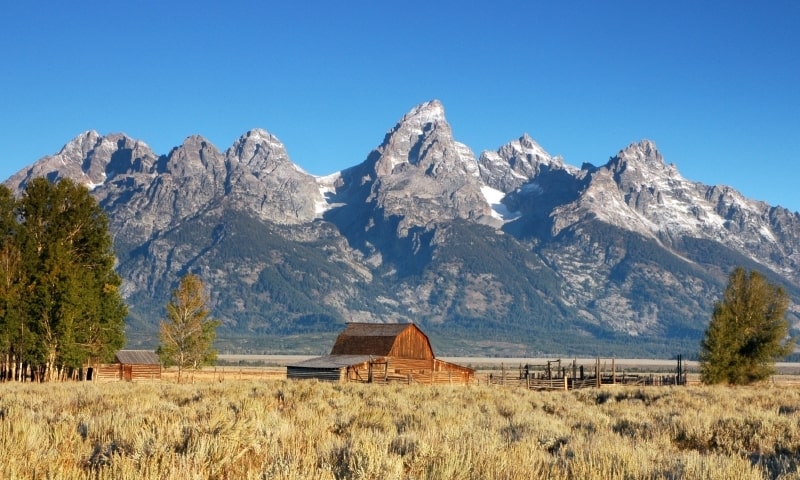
(248, 429)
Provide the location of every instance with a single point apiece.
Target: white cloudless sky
(716, 85)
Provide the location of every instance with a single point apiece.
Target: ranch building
(131, 366)
(381, 353)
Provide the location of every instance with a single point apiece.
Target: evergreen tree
(188, 333)
(10, 292)
(70, 309)
(747, 332)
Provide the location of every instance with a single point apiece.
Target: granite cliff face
(419, 176)
(512, 252)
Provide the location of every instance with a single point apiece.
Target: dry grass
(264, 429)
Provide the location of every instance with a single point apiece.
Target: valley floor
(261, 428)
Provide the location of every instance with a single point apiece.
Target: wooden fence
(553, 375)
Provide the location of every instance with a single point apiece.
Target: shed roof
(333, 361)
(137, 357)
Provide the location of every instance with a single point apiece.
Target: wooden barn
(381, 352)
(131, 366)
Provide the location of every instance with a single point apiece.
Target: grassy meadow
(281, 429)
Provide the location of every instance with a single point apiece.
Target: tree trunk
(50, 367)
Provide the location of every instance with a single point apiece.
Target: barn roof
(375, 329)
(373, 338)
(333, 361)
(137, 357)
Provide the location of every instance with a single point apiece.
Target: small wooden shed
(131, 366)
(382, 352)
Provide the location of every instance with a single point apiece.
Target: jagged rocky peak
(92, 149)
(516, 163)
(263, 179)
(194, 156)
(419, 174)
(425, 116)
(641, 165)
(81, 145)
(530, 147)
(257, 147)
(423, 139)
(642, 154)
(90, 159)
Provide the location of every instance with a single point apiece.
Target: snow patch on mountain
(327, 188)
(495, 199)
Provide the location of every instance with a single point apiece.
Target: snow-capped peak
(80, 144)
(259, 135)
(644, 152)
(428, 112)
(528, 145)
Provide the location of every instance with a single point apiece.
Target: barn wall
(108, 373)
(324, 374)
(405, 365)
(409, 370)
(412, 343)
(115, 372)
(145, 372)
(442, 366)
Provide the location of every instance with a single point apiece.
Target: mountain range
(512, 252)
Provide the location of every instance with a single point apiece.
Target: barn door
(127, 373)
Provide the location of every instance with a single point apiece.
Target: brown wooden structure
(131, 366)
(552, 375)
(381, 353)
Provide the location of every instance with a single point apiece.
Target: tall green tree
(10, 286)
(70, 308)
(747, 333)
(188, 333)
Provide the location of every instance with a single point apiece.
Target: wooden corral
(130, 366)
(381, 353)
(553, 375)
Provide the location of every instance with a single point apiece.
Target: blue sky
(715, 84)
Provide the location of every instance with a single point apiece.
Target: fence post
(598, 380)
(566, 383)
(613, 371)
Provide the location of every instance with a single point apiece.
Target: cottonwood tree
(188, 333)
(747, 332)
(61, 305)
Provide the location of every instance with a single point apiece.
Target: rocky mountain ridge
(514, 245)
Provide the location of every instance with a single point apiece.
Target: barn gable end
(404, 340)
